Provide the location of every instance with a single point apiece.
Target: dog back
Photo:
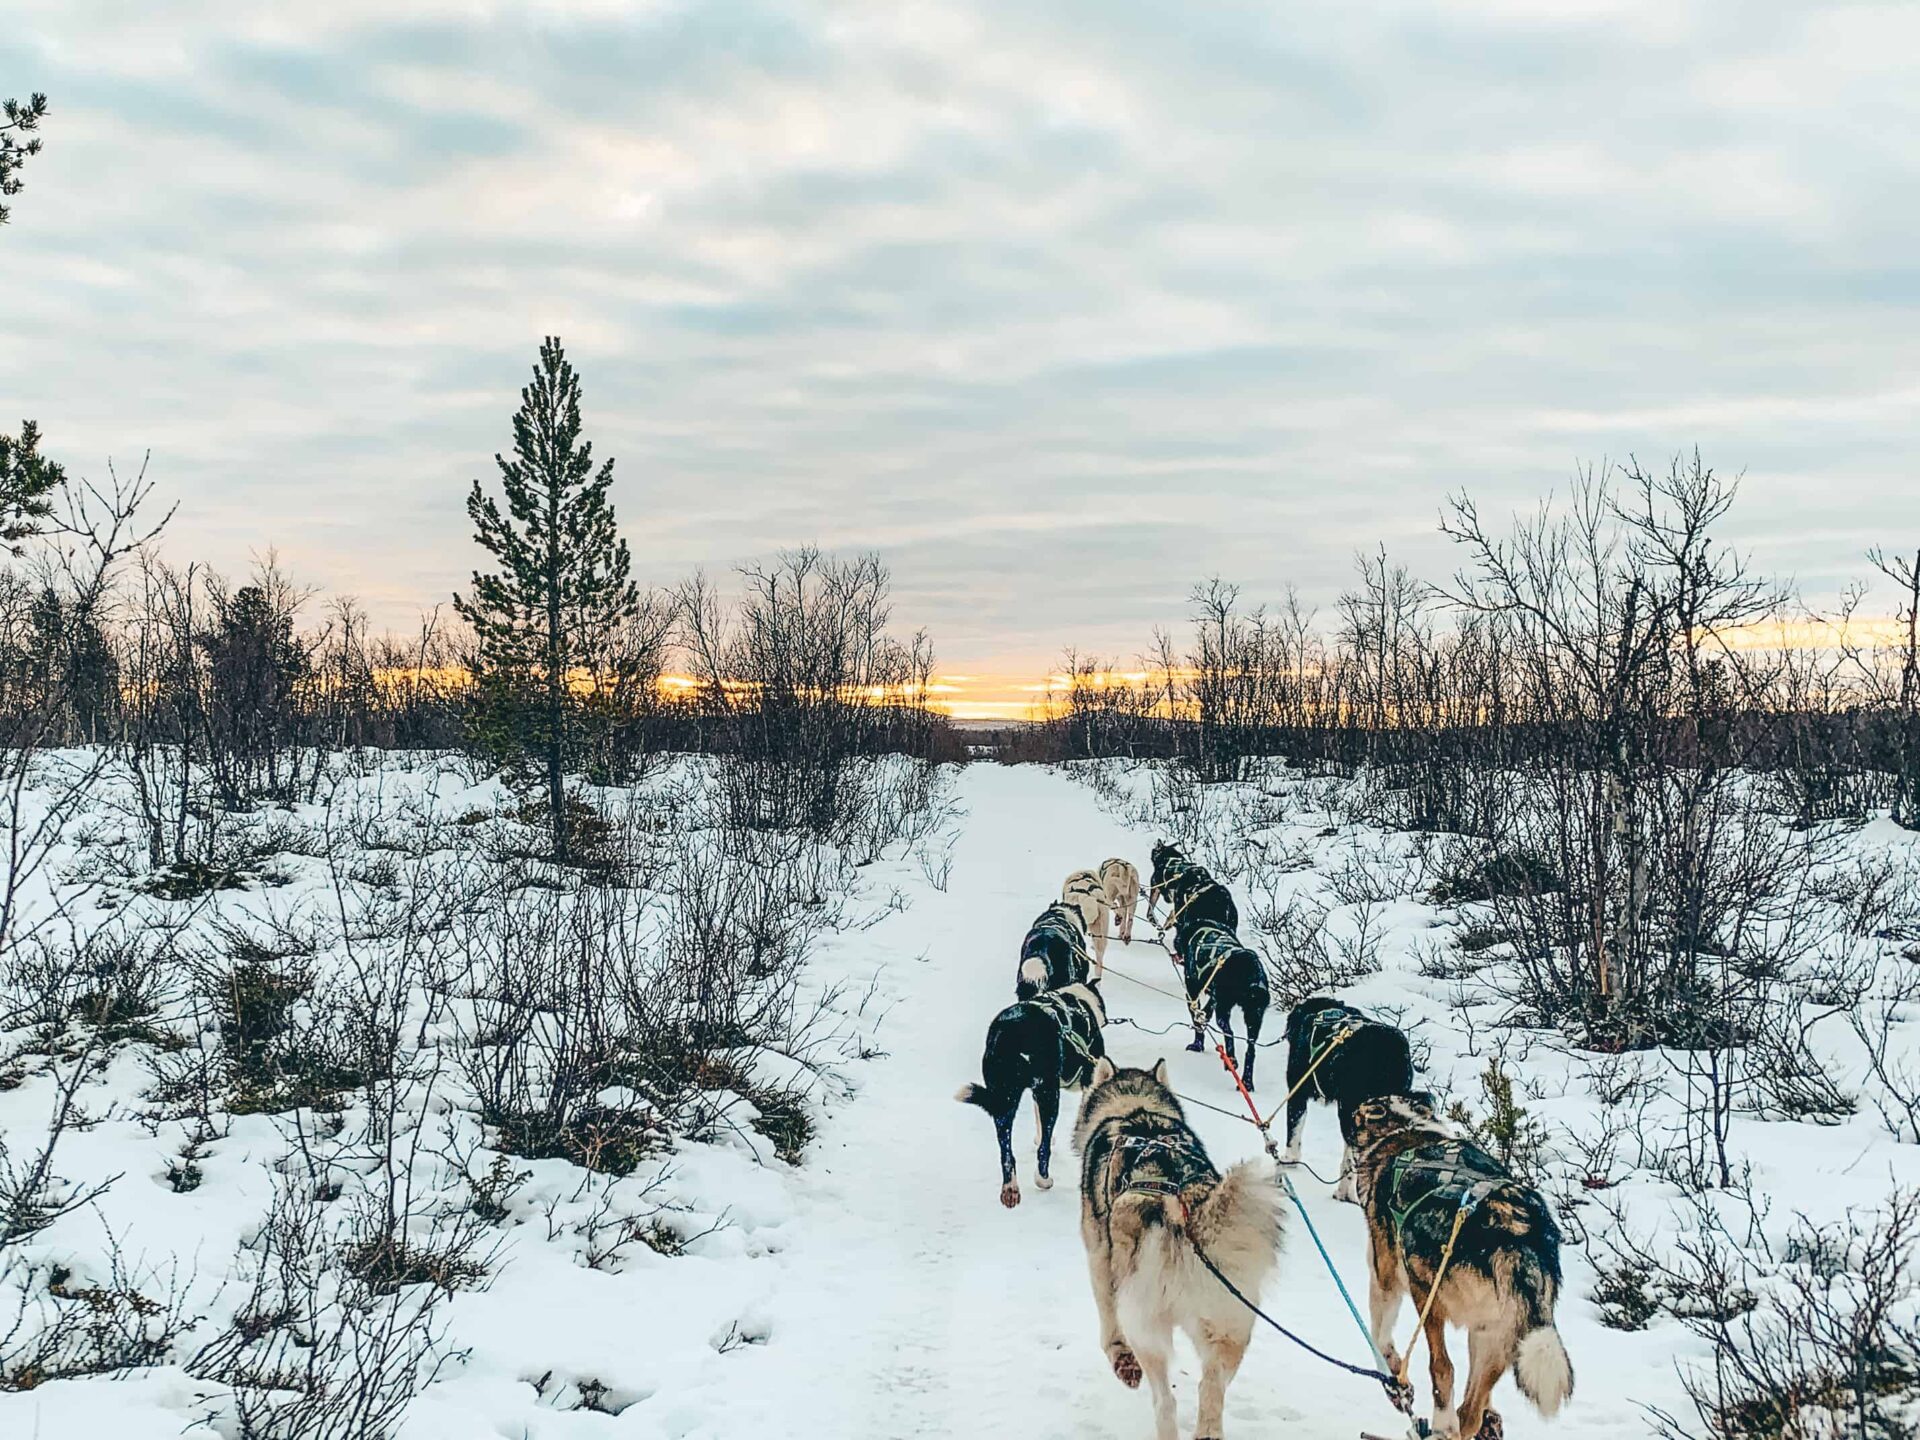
(1212, 954)
(1054, 953)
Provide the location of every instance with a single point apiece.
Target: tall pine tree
(562, 587)
(27, 483)
(18, 120)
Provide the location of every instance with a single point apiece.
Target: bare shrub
(1812, 1340)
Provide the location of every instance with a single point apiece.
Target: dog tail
(991, 1101)
(1542, 1370)
(1033, 978)
(1237, 1224)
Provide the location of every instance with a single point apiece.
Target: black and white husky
(1054, 954)
(1223, 975)
(1351, 1059)
(1189, 889)
(1038, 1046)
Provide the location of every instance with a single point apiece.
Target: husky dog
(1121, 882)
(1084, 892)
(1190, 890)
(1151, 1204)
(1170, 862)
(1037, 1045)
(1351, 1059)
(1222, 976)
(1054, 954)
(1415, 1177)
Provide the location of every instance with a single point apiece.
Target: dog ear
(1160, 1071)
(1102, 1070)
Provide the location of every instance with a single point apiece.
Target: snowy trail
(916, 1306)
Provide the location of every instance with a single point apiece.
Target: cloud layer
(1059, 306)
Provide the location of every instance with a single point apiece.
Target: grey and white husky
(1150, 1203)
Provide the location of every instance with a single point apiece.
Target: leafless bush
(316, 1351)
(33, 1194)
(804, 680)
(1815, 1339)
(63, 1328)
(1302, 957)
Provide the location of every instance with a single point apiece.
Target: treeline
(1630, 742)
(555, 665)
(1614, 628)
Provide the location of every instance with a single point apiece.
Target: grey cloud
(1061, 306)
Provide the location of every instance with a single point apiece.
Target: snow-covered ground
(878, 1289)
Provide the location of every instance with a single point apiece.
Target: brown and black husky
(1418, 1180)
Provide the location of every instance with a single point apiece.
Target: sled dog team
(1169, 1238)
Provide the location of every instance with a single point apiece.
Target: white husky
(1084, 892)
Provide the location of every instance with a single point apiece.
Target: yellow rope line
(1332, 1045)
(1446, 1257)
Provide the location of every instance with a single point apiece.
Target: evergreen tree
(255, 665)
(562, 589)
(27, 478)
(21, 119)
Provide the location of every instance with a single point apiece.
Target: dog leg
(1253, 1012)
(1344, 1189)
(1384, 1284)
(1488, 1351)
(1440, 1367)
(1003, 1128)
(1296, 1111)
(1100, 1270)
(1221, 1352)
(1046, 1111)
(1154, 1353)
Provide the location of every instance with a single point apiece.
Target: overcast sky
(1059, 306)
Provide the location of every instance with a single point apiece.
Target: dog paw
(1492, 1427)
(1044, 1182)
(1197, 1046)
(1125, 1367)
(1010, 1195)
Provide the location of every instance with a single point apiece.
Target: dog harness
(1199, 879)
(1173, 869)
(1439, 1171)
(1068, 1013)
(1208, 948)
(1056, 920)
(1327, 1031)
(1058, 923)
(1090, 886)
(1443, 1170)
(1176, 1160)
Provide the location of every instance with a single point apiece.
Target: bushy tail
(1542, 1370)
(991, 1101)
(1238, 1224)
